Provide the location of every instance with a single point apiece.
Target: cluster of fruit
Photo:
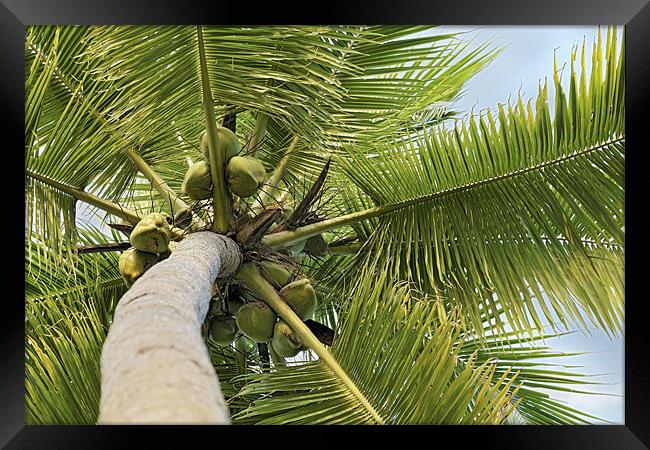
(255, 319)
(240, 312)
(151, 242)
(244, 174)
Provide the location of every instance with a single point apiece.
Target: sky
(526, 59)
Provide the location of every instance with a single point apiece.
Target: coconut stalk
(266, 195)
(175, 202)
(221, 198)
(260, 130)
(250, 276)
(155, 365)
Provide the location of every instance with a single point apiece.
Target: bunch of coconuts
(255, 319)
(151, 237)
(244, 174)
(240, 312)
(151, 242)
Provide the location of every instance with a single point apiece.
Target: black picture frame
(634, 14)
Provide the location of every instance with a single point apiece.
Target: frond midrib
(497, 178)
(289, 237)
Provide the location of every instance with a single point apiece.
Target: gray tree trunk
(155, 366)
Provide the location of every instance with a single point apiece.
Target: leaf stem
(351, 248)
(250, 276)
(288, 237)
(259, 132)
(272, 183)
(102, 248)
(220, 195)
(112, 208)
(105, 205)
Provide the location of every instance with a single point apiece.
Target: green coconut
(256, 320)
(198, 181)
(276, 273)
(315, 246)
(233, 303)
(152, 234)
(167, 254)
(245, 175)
(301, 297)
(228, 142)
(215, 308)
(285, 342)
(133, 263)
(223, 329)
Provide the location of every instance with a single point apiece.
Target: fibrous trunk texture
(155, 365)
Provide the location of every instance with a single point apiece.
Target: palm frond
(505, 209)
(396, 350)
(67, 315)
(305, 79)
(62, 352)
(541, 373)
(98, 92)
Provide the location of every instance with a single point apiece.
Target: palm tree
(441, 252)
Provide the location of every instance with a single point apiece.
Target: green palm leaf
(383, 328)
(541, 372)
(97, 93)
(499, 210)
(67, 315)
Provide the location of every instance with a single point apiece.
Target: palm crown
(449, 247)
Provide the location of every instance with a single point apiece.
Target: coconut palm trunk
(155, 366)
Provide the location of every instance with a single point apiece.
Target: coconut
(277, 274)
(316, 246)
(301, 297)
(223, 329)
(285, 342)
(245, 175)
(198, 181)
(133, 263)
(256, 320)
(152, 234)
(215, 308)
(228, 142)
(233, 303)
(166, 254)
